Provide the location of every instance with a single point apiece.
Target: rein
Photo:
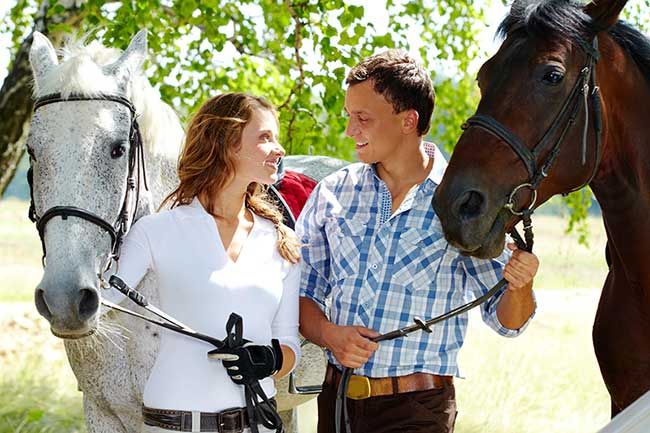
(579, 96)
(341, 409)
(259, 407)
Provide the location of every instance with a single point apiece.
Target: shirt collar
(195, 208)
(192, 209)
(439, 163)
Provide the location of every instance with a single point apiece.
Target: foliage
(296, 53)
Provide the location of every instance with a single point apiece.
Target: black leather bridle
(578, 97)
(137, 170)
(585, 89)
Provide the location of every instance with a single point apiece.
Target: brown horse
(564, 103)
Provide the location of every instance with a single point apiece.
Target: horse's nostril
(471, 206)
(41, 304)
(88, 303)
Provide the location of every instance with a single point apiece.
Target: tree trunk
(15, 111)
(16, 94)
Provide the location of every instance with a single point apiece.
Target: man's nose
(351, 130)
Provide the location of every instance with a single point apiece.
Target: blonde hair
(207, 162)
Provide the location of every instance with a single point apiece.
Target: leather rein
(259, 407)
(577, 98)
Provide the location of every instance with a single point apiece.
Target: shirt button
(374, 266)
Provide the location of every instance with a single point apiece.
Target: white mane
(80, 71)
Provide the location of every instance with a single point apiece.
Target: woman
(221, 248)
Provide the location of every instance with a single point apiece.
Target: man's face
(373, 125)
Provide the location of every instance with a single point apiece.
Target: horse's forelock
(81, 72)
(548, 19)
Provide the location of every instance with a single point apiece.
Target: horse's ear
(42, 56)
(604, 13)
(131, 61)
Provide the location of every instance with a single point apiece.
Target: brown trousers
(431, 411)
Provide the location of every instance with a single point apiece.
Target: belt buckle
(234, 420)
(358, 388)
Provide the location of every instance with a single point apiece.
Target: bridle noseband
(578, 97)
(137, 170)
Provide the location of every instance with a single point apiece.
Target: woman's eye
(117, 151)
(363, 119)
(553, 77)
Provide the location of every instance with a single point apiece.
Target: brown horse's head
(530, 90)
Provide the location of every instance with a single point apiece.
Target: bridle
(137, 171)
(584, 89)
(579, 96)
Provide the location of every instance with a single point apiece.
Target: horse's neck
(622, 185)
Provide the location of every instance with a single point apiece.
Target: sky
(376, 15)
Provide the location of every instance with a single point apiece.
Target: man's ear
(410, 121)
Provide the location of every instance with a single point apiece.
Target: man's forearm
(312, 321)
(515, 307)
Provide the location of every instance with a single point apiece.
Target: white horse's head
(80, 157)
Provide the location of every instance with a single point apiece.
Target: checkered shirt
(365, 266)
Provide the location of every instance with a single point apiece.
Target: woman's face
(260, 152)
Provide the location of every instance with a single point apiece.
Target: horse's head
(530, 126)
(80, 152)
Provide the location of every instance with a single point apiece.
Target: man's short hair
(400, 79)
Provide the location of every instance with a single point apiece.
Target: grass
(20, 252)
(38, 392)
(546, 380)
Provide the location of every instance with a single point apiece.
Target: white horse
(79, 152)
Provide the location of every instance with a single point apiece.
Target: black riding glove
(251, 362)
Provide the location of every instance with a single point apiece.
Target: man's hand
(350, 345)
(520, 269)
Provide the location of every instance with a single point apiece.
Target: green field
(546, 380)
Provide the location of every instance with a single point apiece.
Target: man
(374, 257)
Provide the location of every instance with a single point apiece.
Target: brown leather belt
(227, 421)
(363, 387)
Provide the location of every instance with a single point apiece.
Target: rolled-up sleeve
(310, 228)
(285, 322)
(482, 275)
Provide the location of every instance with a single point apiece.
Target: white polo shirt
(200, 286)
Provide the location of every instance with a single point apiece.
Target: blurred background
(297, 54)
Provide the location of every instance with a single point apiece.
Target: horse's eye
(118, 150)
(553, 77)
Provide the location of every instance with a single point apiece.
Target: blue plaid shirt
(365, 266)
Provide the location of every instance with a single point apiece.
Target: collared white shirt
(200, 285)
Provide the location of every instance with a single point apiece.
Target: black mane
(566, 19)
